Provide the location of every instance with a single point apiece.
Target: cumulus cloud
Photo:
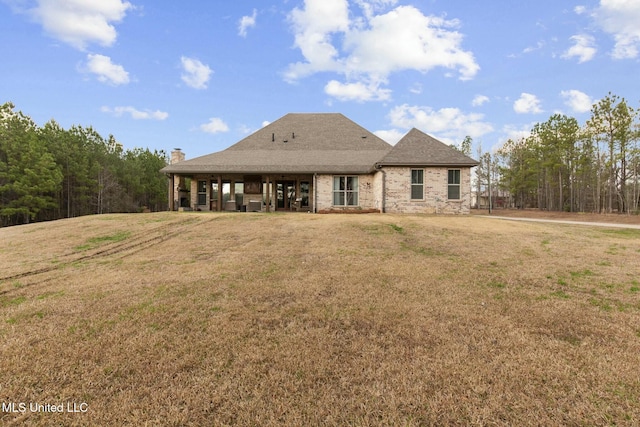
(313, 27)
(579, 102)
(214, 125)
(135, 113)
(358, 91)
(527, 103)
(369, 7)
(583, 48)
(247, 22)
(80, 22)
(620, 19)
(195, 74)
(450, 124)
(374, 45)
(514, 133)
(391, 136)
(107, 71)
(408, 40)
(479, 100)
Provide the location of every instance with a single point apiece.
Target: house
(324, 162)
(500, 198)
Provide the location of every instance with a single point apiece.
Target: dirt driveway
(604, 220)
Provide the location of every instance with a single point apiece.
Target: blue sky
(201, 75)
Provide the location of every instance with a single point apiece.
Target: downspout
(384, 188)
(315, 193)
(384, 191)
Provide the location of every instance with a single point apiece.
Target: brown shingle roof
(417, 148)
(296, 143)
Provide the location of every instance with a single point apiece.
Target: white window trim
(412, 185)
(459, 184)
(345, 191)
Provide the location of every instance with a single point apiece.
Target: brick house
(324, 162)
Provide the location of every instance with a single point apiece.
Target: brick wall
(194, 195)
(368, 197)
(398, 191)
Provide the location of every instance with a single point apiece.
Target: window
(345, 191)
(417, 184)
(202, 192)
(454, 184)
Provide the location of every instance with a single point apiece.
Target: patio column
(268, 201)
(172, 191)
(220, 193)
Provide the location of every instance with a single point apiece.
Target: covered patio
(242, 193)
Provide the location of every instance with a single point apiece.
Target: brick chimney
(177, 155)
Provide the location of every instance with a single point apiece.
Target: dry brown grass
(300, 319)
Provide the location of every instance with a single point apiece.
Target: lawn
(299, 319)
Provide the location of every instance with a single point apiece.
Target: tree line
(50, 173)
(563, 166)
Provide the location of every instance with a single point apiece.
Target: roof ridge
(420, 148)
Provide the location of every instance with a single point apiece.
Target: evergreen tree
(29, 176)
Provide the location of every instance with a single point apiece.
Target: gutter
(315, 193)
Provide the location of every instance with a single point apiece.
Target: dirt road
(589, 223)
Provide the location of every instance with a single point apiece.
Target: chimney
(177, 155)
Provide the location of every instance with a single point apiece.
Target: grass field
(192, 319)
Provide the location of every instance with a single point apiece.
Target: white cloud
(583, 48)
(514, 133)
(479, 100)
(579, 102)
(358, 91)
(416, 88)
(135, 113)
(530, 49)
(247, 22)
(313, 27)
(375, 45)
(195, 73)
(450, 124)
(620, 19)
(266, 123)
(369, 7)
(215, 125)
(391, 136)
(80, 22)
(408, 40)
(527, 103)
(107, 71)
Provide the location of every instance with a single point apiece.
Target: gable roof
(296, 143)
(417, 148)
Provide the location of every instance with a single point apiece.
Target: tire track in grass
(126, 247)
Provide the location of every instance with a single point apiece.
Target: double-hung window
(453, 189)
(345, 191)
(417, 184)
